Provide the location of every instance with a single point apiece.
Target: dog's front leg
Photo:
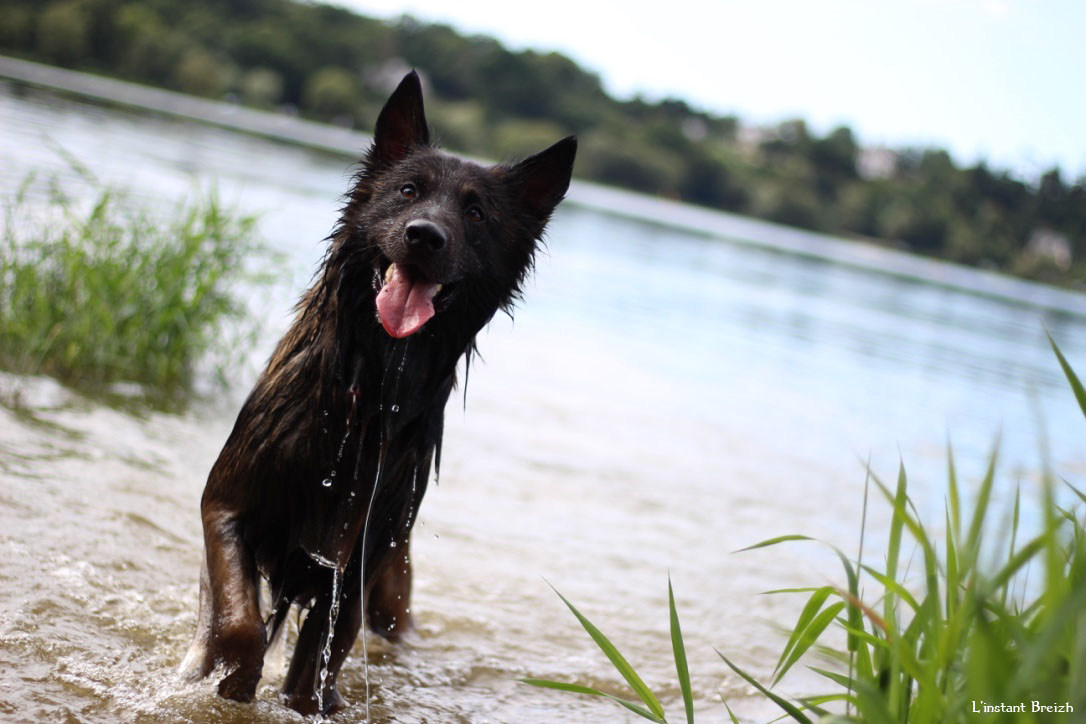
(236, 636)
(303, 677)
(388, 606)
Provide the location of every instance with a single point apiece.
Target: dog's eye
(475, 213)
(408, 191)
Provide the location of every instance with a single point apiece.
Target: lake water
(664, 397)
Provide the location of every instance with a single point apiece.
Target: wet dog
(318, 484)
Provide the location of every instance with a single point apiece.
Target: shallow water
(662, 398)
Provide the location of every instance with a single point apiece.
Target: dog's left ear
(543, 179)
(401, 126)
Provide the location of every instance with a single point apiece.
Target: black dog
(318, 485)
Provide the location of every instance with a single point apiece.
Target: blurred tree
(794, 203)
(62, 33)
(146, 49)
(630, 163)
(331, 93)
(708, 182)
(16, 28)
(201, 73)
(495, 102)
(449, 59)
(261, 87)
(517, 139)
(833, 159)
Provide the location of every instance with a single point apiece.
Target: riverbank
(740, 229)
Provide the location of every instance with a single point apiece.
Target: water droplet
(326, 413)
(327, 482)
(395, 408)
(324, 430)
(392, 544)
(333, 473)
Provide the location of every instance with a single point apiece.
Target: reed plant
(107, 292)
(993, 621)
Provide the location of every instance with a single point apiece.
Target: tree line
(334, 65)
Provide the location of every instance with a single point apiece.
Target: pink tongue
(403, 305)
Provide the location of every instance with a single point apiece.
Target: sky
(996, 80)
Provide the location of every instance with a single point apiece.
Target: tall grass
(990, 624)
(109, 292)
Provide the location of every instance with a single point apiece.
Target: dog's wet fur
(328, 461)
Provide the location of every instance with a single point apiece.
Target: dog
(320, 481)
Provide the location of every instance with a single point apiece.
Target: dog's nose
(425, 235)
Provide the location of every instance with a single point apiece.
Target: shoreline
(730, 227)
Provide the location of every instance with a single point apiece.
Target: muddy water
(661, 400)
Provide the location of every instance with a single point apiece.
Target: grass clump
(106, 293)
(988, 624)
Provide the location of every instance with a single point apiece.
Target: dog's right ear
(401, 126)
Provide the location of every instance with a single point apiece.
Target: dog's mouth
(405, 299)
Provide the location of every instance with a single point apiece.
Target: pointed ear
(401, 126)
(543, 179)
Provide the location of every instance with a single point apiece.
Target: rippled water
(663, 398)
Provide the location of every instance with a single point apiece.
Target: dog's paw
(240, 685)
(307, 705)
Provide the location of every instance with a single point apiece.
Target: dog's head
(444, 231)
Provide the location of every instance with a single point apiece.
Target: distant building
(1051, 246)
(873, 163)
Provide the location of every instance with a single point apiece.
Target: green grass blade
(731, 714)
(893, 551)
(868, 699)
(810, 610)
(617, 660)
(809, 636)
(854, 615)
(577, 689)
(773, 542)
(1076, 491)
(980, 510)
(679, 648)
(1072, 378)
(892, 585)
(784, 704)
(952, 492)
(952, 579)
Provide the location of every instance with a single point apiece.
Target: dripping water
(329, 635)
(373, 496)
(365, 533)
(353, 394)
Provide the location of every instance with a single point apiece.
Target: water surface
(662, 398)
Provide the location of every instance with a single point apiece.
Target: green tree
(261, 87)
(331, 93)
(63, 34)
(16, 28)
(201, 73)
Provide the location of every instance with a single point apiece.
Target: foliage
(115, 294)
(970, 630)
(331, 64)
